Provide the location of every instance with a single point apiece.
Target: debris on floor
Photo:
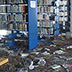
(3, 61)
(48, 57)
(59, 52)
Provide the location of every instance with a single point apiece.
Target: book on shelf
(9, 17)
(45, 9)
(12, 17)
(20, 8)
(63, 13)
(1, 17)
(66, 18)
(41, 9)
(53, 3)
(24, 17)
(10, 26)
(64, 2)
(39, 2)
(47, 16)
(14, 26)
(38, 30)
(56, 10)
(4, 26)
(4, 9)
(39, 16)
(16, 8)
(17, 26)
(45, 31)
(25, 27)
(38, 9)
(63, 8)
(45, 2)
(51, 24)
(63, 18)
(51, 30)
(52, 17)
(51, 9)
(56, 18)
(23, 9)
(41, 30)
(1, 9)
(18, 17)
(60, 18)
(44, 23)
(57, 3)
(5, 17)
(39, 23)
(9, 8)
(21, 26)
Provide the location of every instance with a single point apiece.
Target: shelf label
(33, 4)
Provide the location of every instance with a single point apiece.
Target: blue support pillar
(32, 23)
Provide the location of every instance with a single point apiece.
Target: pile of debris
(48, 57)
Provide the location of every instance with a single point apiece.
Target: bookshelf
(18, 18)
(53, 17)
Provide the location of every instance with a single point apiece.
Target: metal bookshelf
(17, 28)
(49, 8)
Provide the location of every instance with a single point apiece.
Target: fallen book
(3, 61)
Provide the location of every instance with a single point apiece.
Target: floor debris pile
(47, 57)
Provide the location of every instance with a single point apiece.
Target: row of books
(13, 8)
(50, 24)
(52, 17)
(3, 25)
(45, 31)
(63, 18)
(51, 8)
(63, 23)
(13, 1)
(17, 26)
(64, 29)
(43, 16)
(13, 17)
(13, 26)
(52, 2)
(45, 9)
(45, 24)
(62, 14)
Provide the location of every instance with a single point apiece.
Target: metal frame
(32, 17)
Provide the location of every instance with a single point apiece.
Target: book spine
(23, 8)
